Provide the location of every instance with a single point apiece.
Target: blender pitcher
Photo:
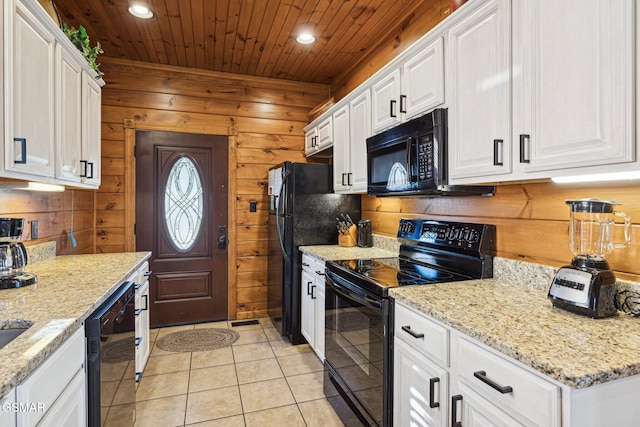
(591, 227)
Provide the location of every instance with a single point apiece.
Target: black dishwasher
(110, 333)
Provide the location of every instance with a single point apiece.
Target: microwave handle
(411, 142)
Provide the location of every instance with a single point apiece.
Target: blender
(588, 286)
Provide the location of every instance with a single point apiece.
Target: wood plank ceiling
(251, 37)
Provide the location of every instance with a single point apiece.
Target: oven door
(357, 352)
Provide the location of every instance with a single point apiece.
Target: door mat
(200, 339)
(117, 351)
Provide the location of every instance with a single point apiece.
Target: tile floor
(261, 380)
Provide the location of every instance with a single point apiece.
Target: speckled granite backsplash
(538, 276)
(40, 252)
(387, 243)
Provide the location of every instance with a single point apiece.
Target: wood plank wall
(531, 219)
(56, 214)
(265, 120)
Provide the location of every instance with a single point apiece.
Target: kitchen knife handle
(497, 151)
(454, 410)
(523, 157)
(408, 330)
(432, 387)
(482, 376)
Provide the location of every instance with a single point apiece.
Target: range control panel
(448, 235)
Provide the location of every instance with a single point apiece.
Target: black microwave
(411, 159)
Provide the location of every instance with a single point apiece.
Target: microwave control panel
(425, 157)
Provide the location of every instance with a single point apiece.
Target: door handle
(222, 242)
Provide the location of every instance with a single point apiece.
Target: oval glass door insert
(183, 203)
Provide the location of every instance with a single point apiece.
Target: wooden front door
(181, 217)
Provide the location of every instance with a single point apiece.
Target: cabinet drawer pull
(392, 112)
(305, 264)
(23, 151)
(432, 387)
(403, 103)
(138, 376)
(319, 273)
(138, 341)
(343, 177)
(147, 273)
(497, 152)
(454, 410)
(308, 289)
(482, 376)
(408, 330)
(312, 295)
(349, 179)
(524, 158)
(146, 302)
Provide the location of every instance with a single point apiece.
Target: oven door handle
(348, 293)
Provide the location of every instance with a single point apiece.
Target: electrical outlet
(34, 230)
(253, 205)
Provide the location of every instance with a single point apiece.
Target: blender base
(588, 292)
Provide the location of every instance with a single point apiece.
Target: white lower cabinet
(444, 377)
(421, 387)
(8, 417)
(143, 346)
(312, 295)
(56, 391)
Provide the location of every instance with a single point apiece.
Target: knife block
(350, 238)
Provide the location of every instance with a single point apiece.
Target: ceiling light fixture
(305, 38)
(140, 11)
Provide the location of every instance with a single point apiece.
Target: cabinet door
(319, 294)
(420, 389)
(8, 418)
(310, 139)
(71, 408)
(307, 308)
(142, 326)
(573, 70)
(69, 109)
(29, 90)
(472, 410)
(385, 102)
(341, 160)
(92, 122)
(478, 92)
(360, 115)
(325, 134)
(423, 80)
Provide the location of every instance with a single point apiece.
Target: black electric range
(359, 313)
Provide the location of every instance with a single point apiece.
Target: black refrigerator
(302, 212)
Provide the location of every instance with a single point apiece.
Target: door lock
(222, 242)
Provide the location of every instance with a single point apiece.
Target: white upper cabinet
(385, 99)
(572, 78)
(52, 102)
(410, 90)
(320, 137)
(478, 92)
(423, 80)
(351, 128)
(561, 103)
(29, 70)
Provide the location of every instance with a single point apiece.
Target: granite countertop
(520, 322)
(69, 289)
(335, 252)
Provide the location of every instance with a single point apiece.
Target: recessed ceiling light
(140, 11)
(305, 38)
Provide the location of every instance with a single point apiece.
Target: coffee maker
(13, 255)
(588, 286)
